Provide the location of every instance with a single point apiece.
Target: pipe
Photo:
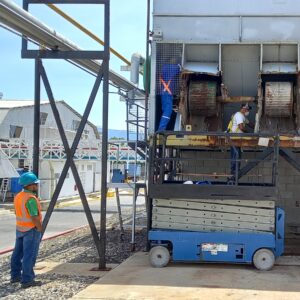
(136, 61)
(86, 31)
(20, 20)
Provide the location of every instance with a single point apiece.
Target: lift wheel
(264, 259)
(159, 256)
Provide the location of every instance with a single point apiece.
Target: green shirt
(31, 205)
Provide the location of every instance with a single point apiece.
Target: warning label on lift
(214, 248)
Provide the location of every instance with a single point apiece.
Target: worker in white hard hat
(238, 124)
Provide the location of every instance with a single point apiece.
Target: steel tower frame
(102, 75)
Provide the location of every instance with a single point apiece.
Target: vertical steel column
(137, 125)
(105, 66)
(134, 197)
(147, 71)
(119, 212)
(275, 163)
(36, 122)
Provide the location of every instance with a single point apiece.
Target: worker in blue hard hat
(167, 86)
(28, 231)
(238, 124)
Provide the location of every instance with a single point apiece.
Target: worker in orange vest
(28, 233)
(167, 86)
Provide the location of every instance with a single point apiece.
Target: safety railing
(214, 158)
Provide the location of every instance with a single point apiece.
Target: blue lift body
(188, 246)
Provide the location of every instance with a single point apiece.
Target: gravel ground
(77, 247)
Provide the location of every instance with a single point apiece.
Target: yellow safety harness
(230, 125)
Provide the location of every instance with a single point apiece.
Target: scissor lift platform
(259, 248)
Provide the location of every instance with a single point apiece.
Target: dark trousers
(24, 255)
(235, 156)
(167, 108)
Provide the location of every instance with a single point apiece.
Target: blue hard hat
(28, 178)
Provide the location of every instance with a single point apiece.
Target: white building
(16, 141)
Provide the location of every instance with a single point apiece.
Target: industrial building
(16, 132)
(205, 202)
(231, 54)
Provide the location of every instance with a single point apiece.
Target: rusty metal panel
(203, 98)
(286, 141)
(279, 99)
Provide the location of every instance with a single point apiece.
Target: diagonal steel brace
(290, 158)
(251, 165)
(70, 153)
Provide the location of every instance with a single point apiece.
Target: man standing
(167, 87)
(28, 232)
(238, 124)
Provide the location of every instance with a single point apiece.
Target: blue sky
(128, 29)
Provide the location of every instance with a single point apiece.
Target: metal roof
(3, 113)
(17, 103)
(6, 105)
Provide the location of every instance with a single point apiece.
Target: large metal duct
(23, 22)
(203, 98)
(279, 99)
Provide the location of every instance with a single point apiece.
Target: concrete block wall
(219, 163)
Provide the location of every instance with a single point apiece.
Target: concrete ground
(84, 269)
(66, 216)
(136, 280)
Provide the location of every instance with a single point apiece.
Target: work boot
(15, 280)
(31, 284)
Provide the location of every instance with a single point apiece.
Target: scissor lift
(261, 249)
(216, 222)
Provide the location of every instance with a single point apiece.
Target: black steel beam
(36, 121)
(147, 75)
(290, 158)
(275, 162)
(119, 211)
(105, 67)
(56, 53)
(251, 165)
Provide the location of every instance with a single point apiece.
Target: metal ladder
(4, 188)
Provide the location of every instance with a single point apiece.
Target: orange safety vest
(23, 219)
(166, 85)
